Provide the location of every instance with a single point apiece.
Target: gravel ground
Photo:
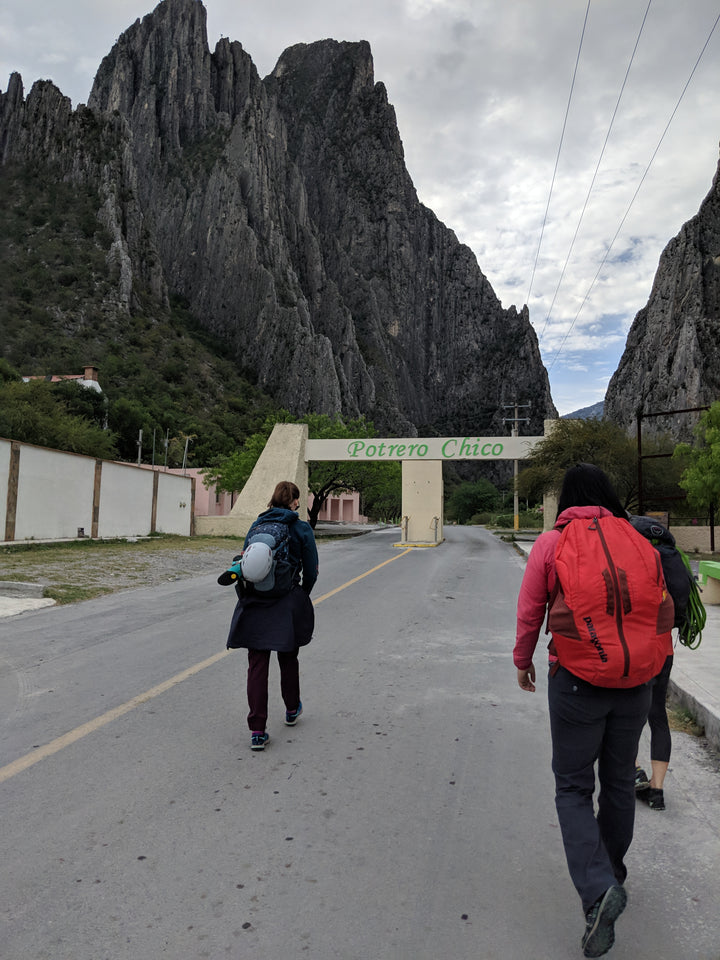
(79, 570)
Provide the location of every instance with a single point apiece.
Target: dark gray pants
(595, 724)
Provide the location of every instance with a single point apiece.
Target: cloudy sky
(565, 143)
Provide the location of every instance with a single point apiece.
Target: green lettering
(356, 447)
(445, 448)
(465, 449)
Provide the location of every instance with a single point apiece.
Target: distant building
(209, 501)
(341, 508)
(89, 378)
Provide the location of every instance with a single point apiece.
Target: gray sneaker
(600, 920)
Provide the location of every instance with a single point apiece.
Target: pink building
(342, 508)
(209, 501)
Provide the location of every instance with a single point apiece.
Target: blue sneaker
(258, 739)
(292, 716)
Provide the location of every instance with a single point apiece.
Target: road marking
(30, 759)
(84, 729)
(367, 573)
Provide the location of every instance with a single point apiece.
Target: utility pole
(187, 441)
(139, 446)
(514, 433)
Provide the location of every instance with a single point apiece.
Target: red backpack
(610, 615)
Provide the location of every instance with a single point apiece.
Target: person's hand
(526, 679)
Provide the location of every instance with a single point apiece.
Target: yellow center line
(30, 759)
(367, 573)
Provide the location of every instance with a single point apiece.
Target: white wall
(174, 504)
(54, 494)
(125, 500)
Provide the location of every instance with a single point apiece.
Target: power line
(594, 177)
(634, 196)
(557, 158)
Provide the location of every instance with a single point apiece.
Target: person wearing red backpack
(608, 615)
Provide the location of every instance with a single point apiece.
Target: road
(408, 816)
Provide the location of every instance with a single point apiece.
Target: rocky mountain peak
(672, 355)
(282, 212)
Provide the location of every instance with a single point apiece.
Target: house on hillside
(89, 378)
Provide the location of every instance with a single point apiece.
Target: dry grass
(682, 720)
(83, 569)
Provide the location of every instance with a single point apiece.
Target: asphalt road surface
(408, 816)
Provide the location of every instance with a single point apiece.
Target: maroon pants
(257, 684)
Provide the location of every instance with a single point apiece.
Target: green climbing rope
(690, 632)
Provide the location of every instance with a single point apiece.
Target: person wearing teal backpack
(274, 612)
(610, 616)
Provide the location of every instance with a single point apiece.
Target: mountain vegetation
(161, 371)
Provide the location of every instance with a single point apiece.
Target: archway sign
(422, 459)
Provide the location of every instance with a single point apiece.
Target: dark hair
(586, 485)
(284, 494)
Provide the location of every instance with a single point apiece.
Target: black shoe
(653, 797)
(641, 778)
(600, 920)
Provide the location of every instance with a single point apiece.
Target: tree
(701, 476)
(8, 374)
(34, 413)
(582, 441)
(231, 473)
(467, 499)
(127, 418)
(327, 477)
(607, 446)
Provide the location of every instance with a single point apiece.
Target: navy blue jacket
(283, 623)
(303, 551)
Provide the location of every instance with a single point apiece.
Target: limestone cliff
(672, 356)
(281, 210)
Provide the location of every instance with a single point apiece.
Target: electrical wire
(594, 177)
(557, 158)
(634, 196)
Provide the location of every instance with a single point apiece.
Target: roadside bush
(468, 499)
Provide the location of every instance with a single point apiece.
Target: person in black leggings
(651, 791)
